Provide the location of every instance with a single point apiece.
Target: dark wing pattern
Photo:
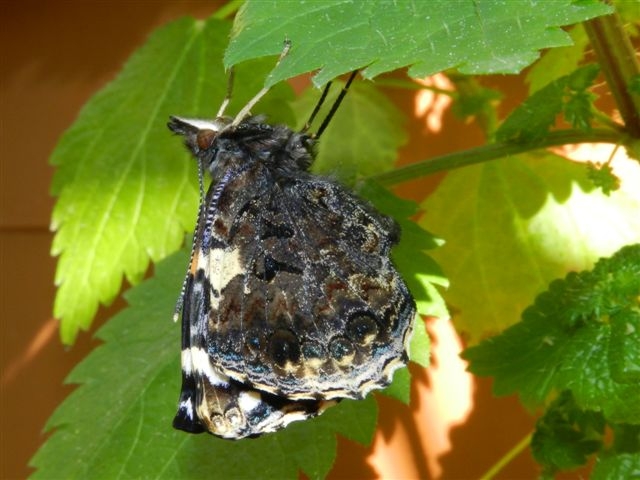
(312, 306)
(211, 401)
(292, 301)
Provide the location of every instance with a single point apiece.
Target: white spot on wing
(187, 364)
(293, 417)
(187, 406)
(249, 400)
(224, 265)
(202, 365)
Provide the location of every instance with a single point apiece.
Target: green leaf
(578, 110)
(420, 345)
(626, 438)
(603, 177)
(615, 467)
(624, 346)
(418, 269)
(582, 78)
(127, 190)
(564, 342)
(558, 62)
(400, 387)
(566, 436)
(364, 136)
(578, 107)
(117, 423)
(531, 120)
(340, 36)
(513, 225)
(419, 349)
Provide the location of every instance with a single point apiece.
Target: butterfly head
(222, 145)
(199, 134)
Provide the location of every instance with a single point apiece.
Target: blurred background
(54, 56)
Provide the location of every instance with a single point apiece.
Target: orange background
(54, 56)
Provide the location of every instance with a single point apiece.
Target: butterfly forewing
(314, 308)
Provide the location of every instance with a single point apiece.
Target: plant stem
(493, 151)
(508, 457)
(619, 64)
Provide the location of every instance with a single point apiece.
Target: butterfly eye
(205, 138)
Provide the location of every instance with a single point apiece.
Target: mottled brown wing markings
(342, 322)
(214, 402)
(291, 299)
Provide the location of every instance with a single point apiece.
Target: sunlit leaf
(564, 342)
(126, 187)
(513, 225)
(382, 36)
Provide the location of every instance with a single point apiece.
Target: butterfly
(291, 301)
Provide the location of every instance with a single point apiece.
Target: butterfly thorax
(224, 148)
(280, 150)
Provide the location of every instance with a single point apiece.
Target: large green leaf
(127, 189)
(117, 423)
(565, 341)
(565, 435)
(513, 225)
(428, 36)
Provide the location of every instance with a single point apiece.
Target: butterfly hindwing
(210, 400)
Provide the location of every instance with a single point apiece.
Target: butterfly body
(291, 301)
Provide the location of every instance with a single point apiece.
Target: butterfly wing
(212, 401)
(306, 301)
(291, 299)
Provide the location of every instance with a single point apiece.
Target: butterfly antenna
(183, 290)
(227, 97)
(336, 104)
(247, 108)
(323, 97)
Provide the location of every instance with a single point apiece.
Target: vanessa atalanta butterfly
(291, 301)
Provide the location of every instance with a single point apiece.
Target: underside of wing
(306, 302)
(210, 400)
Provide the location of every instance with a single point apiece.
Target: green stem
(492, 152)
(619, 64)
(507, 458)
